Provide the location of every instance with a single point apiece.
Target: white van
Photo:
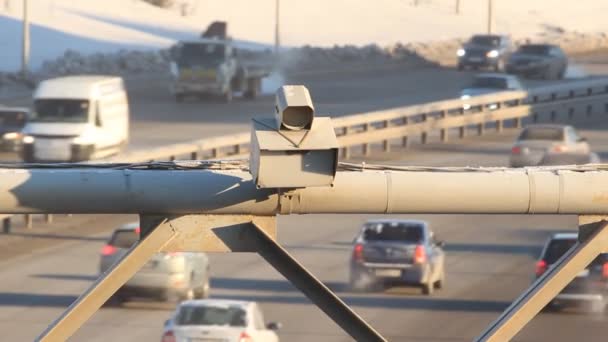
(77, 118)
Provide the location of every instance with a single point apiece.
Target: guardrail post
(214, 153)
(345, 149)
(194, 155)
(172, 158)
(29, 222)
(480, 128)
(445, 132)
(424, 136)
(48, 218)
(237, 149)
(405, 141)
(386, 144)
(365, 146)
(518, 123)
(570, 113)
(589, 110)
(553, 115)
(535, 117)
(6, 225)
(499, 126)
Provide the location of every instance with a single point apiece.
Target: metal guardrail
(361, 131)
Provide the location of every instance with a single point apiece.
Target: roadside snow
(94, 26)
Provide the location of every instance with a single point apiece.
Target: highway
(490, 258)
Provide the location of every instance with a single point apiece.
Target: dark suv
(589, 287)
(485, 51)
(402, 251)
(538, 60)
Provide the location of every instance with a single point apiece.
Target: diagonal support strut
(593, 240)
(314, 289)
(103, 288)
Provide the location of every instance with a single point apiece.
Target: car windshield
(60, 110)
(541, 50)
(211, 315)
(393, 231)
(485, 40)
(490, 82)
(207, 55)
(12, 118)
(124, 238)
(542, 133)
(558, 247)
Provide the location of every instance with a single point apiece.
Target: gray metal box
(293, 159)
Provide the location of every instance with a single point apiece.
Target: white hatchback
(219, 320)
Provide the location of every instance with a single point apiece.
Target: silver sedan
(536, 142)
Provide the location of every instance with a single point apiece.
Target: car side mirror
(274, 326)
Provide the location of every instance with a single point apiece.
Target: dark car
(590, 285)
(403, 251)
(538, 60)
(12, 121)
(484, 51)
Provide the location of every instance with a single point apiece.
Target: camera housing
(294, 149)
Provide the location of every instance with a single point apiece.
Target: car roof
(564, 236)
(420, 222)
(556, 126)
(494, 75)
(218, 303)
(129, 226)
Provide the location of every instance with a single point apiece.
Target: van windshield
(60, 110)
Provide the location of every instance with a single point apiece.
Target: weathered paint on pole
(510, 191)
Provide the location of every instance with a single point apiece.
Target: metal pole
(25, 52)
(485, 191)
(102, 289)
(457, 6)
(314, 289)
(277, 42)
(490, 16)
(523, 309)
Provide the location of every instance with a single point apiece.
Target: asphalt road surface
(490, 259)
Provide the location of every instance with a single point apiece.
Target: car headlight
(465, 96)
(28, 139)
(10, 136)
(461, 52)
(492, 54)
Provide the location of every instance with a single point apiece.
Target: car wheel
(551, 307)
(440, 283)
(360, 282)
(228, 96)
(117, 299)
(203, 291)
(499, 66)
(428, 289)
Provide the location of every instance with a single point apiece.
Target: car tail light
(516, 150)
(541, 267)
(108, 250)
(419, 254)
(559, 148)
(605, 270)
(358, 252)
(245, 337)
(168, 336)
(138, 230)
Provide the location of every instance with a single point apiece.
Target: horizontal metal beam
(509, 191)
